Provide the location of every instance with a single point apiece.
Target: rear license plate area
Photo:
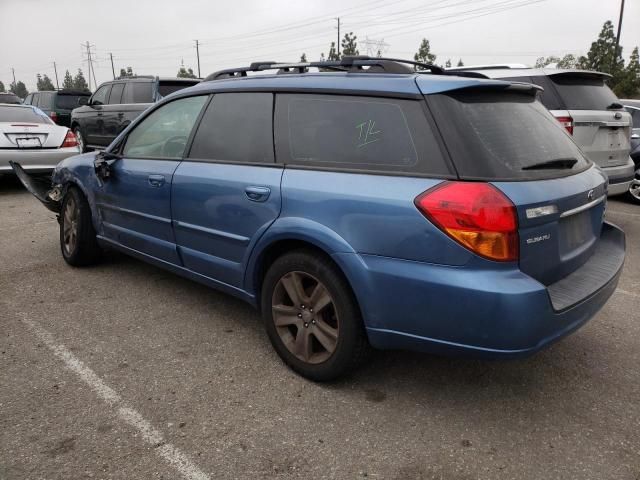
(576, 230)
(28, 142)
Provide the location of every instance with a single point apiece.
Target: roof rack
(347, 64)
(497, 66)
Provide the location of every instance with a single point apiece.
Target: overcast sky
(154, 37)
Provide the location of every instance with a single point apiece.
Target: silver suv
(586, 107)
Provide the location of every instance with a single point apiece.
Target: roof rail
(347, 64)
(496, 66)
(124, 77)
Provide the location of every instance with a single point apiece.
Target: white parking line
(623, 213)
(167, 451)
(628, 293)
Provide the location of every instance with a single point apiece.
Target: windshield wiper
(559, 163)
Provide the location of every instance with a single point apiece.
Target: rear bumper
(620, 177)
(35, 160)
(491, 312)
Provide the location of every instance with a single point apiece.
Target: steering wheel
(174, 146)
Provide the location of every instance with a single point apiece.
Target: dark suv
(58, 104)
(115, 104)
(10, 98)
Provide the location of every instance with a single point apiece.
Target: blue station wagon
(365, 204)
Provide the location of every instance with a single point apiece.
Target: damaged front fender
(40, 187)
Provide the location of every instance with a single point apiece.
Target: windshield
(504, 136)
(581, 92)
(20, 114)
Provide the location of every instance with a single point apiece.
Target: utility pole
(56, 70)
(13, 70)
(615, 53)
(89, 62)
(338, 19)
(113, 70)
(198, 55)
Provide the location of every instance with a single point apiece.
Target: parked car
(58, 104)
(115, 104)
(633, 107)
(416, 211)
(28, 136)
(584, 104)
(10, 98)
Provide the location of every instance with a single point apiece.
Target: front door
(227, 192)
(93, 118)
(135, 203)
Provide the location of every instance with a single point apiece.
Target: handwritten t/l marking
(367, 133)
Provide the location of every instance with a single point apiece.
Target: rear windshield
(19, 114)
(9, 98)
(583, 93)
(166, 87)
(504, 136)
(68, 102)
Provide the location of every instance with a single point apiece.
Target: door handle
(156, 180)
(257, 194)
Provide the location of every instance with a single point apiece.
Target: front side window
(101, 95)
(361, 133)
(236, 127)
(116, 93)
(164, 133)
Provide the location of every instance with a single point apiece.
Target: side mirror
(102, 164)
(83, 101)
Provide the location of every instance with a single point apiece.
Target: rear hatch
(65, 102)
(601, 126)
(508, 138)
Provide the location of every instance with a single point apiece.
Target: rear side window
(166, 87)
(138, 92)
(45, 100)
(504, 136)
(237, 127)
(357, 133)
(68, 102)
(581, 92)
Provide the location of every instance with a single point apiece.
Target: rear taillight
(567, 123)
(476, 215)
(53, 116)
(70, 140)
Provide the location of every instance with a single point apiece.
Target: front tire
(78, 241)
(312, 317)
(80, 138)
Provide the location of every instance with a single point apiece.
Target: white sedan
(30, 138)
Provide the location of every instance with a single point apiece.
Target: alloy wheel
(70, 225)
(305, 317)
(634, 188)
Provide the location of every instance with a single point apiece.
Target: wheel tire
(350, 347)
(633, 195)
(78, 241)
(78, 133)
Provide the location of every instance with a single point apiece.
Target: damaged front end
(41, 187)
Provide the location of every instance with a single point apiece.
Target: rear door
(92, 120)
(599, 128)
(112, 113)
(512, 141)
(227, 192)
(135, 204)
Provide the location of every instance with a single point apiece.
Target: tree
(79, 82)
(349, 45)
(186, 73)
(424, 54)
(542, 62)
(2, 90)
(333, 53)
(44, 83)
(68, 80)
(628, 85)
(602, 55)
(19, 89)
(447, 64)
(460, 63)
(128, 72)
(379, 54)
(303, 58)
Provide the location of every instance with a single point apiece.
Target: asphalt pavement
(126, 371)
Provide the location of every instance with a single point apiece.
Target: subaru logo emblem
(590, 195)
(618, 116)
